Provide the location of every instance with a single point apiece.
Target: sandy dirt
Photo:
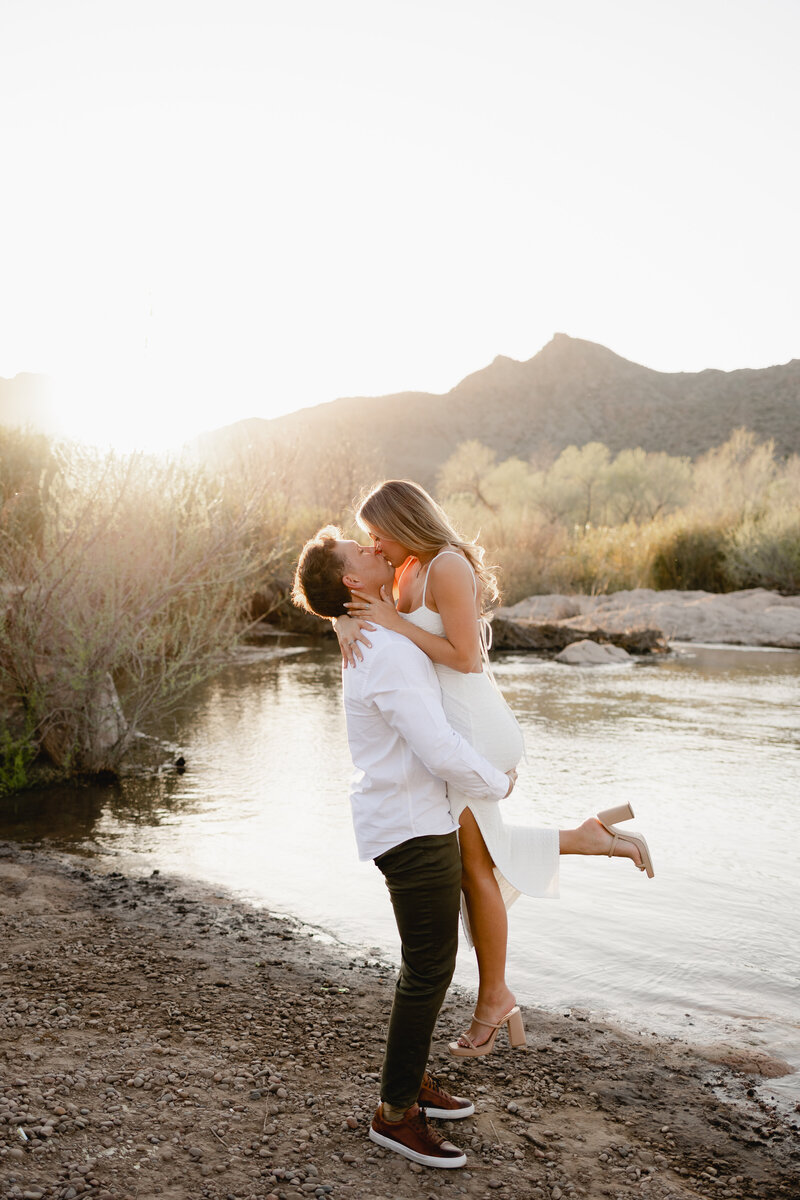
(157, 1039)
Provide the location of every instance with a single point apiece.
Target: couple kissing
(435, 747)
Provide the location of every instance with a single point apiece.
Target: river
(705, 744)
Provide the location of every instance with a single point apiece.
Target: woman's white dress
(526, 858)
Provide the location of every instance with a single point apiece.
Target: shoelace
(427, 1130)
(430, 1083)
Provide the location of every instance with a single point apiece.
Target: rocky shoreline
(161, 1040)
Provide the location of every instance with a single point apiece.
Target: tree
(641, 485)
(464, 474)
(574, 488)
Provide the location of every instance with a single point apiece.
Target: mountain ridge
(571, 392)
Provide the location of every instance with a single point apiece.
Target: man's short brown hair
(318, 586)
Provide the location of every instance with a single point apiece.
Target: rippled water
(705, 745)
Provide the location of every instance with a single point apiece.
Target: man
(405, 752)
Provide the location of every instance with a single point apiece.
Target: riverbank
(160, 1040)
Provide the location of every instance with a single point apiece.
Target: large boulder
(591, 654)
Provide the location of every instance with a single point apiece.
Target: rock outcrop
(754, 617)
(550, 637)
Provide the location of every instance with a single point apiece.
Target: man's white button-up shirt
(403, 749)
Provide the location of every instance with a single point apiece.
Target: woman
(441, 587)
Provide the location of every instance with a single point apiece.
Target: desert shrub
(27, 463)
(535, 562)
(134, 591)
(691, 556)
(611, 558)
(16, 755)
(765, 552)
(735, 480)
(290, 491)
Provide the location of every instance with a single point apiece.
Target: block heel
(516, 1036)
(624, 812)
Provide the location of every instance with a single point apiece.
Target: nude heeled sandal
(623, 812)
(516, 1036)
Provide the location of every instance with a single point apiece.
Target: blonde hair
(404, 511)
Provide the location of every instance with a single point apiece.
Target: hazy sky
(211, 210)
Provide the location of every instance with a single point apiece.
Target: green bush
(692, 558)
(16, 755)
(611, 558)
(765, 552)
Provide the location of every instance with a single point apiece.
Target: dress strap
(466, 563)
(405, 567)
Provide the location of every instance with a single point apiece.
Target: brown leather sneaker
(440, 1104)
(413, 1138)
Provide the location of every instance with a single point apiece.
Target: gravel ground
(157, 1039)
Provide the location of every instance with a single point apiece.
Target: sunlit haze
(220, 210)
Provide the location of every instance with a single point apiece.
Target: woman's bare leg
(488, 921)
(488, 917)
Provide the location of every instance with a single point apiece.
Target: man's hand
(512, 779)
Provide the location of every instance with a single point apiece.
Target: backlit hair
(317, 585)
(403, 511)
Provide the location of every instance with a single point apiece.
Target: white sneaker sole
(449, 1114)
(424, 1160)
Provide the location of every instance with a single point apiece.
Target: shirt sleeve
(405, 689)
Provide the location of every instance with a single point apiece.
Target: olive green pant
(423, 876)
